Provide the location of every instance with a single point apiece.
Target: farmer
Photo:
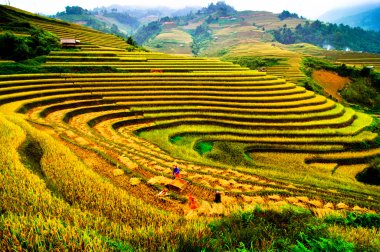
(176, 172)
(218, 197)
(193, 203)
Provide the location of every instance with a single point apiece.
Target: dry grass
(118, 172)
(331, 82)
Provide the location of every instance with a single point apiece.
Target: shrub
(263, 230)
(370, 175)
(227, 153)
(253, 62)
(42, 42)
(324, 244)
(361, 92)
(311, 85)
(13, 47)
(21, 48)
(203, 147)
(367, 220)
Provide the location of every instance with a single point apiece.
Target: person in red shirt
(193, 203)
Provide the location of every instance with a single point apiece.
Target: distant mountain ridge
(365, 16)
(368, 20)
(212, 30)
(118, 19)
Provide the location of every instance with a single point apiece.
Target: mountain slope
(219, 27)
(365, 16)
(339, 13)
(368, 20)
(214, 29)
(13, 18)
(118, 19)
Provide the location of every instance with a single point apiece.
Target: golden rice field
(289, 64)
(171, 40)
(143, 123)
(84, 156)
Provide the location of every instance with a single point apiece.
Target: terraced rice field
(360, 61)
(289, 65)
(143, 123)
(354, 59)
(137, 61)
(66, 30)
(171, 40)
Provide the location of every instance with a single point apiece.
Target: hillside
(368, 20)
(86, 157)
(213, 29)
(216, 28)
(106, 21)
(118, 19)
(365, 15)
(14, 19)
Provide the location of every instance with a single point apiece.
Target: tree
(42, 42)
(13, 47)
(338, 36)
(131, 41)
(22, 48)
(114, 29)
(286, 14)
(74, 10)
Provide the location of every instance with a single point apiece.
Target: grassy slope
(240, 28)
(61, 28)
(171, 40)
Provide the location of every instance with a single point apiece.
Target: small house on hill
(69, 42)
(169, 24)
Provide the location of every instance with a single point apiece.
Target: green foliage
(131, 41)
(203, 147)
(360, 91)
(370, 175)
(218, 9)
(25, 47)
(228, 153)
(253, 62)
(175, 139)
(223, 52)
(143, 34)
(75, 10)
(339, 36)
(286, 14)
(324, 244)
(16, 26)
(77, 14)
(42, 42)
(311, 85)
(263, 230)
(33, 66)
(13, 47)
(201, 38)
(367, 220)
(309, 64)
(363, 89)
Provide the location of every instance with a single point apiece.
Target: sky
(311, 9)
